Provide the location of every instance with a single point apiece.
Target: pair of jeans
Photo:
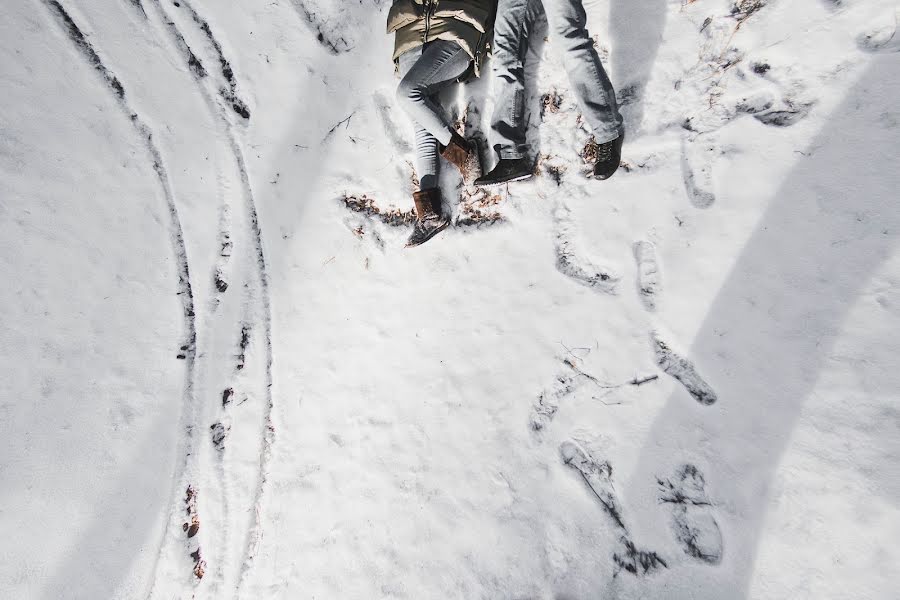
(425, 71)
(567, 20)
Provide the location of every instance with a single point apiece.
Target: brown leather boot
(463, 154)
(429, 218)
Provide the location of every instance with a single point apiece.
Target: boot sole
(604, 177)
(433, 233)
(510, 180)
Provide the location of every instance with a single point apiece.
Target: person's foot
(508, 169)
(609, 155)
(429, 217)
(463, 154)
(425, 229)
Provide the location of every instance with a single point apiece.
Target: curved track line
(269, 433)
(334, 45)
(229, 90)
(185, 290)
(195, 470)
(254, 534)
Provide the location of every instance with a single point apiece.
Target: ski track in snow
(218, 430)
(185, 290)
(332, 37)
(269, 431)
(221, 428)
(228, 91)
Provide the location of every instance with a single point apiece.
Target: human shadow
(538, 30)
(117, 532)
(636, 31)
(769, 332)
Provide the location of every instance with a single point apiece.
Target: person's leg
(508, 65)
(426, 144)
(440, 64)
(590, 83)
(430, 219)
(427, 163)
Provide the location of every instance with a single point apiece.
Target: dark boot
(609, 155)
(463, 154)
(429, 219)
(508, 169)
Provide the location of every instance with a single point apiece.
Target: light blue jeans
(425, 71)
(567, 22)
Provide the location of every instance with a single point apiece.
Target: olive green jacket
(467, 22)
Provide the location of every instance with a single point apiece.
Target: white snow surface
(680, 383)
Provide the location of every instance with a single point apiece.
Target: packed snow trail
(660, 385)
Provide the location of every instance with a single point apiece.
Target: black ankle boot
(609, 155)
(508, 169)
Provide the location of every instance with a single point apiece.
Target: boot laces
(430, 217)
(604, 151)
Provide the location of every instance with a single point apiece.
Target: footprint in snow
(548, 402)
(598, 476)
(881, 39)
(683, 371)
(635, 561)
(570, 263)
(648, 273)
(696, 171)
(693, 522)
(583, 271)
(755, 102)
(791, 114)
(765, 109)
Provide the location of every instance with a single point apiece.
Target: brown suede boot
(463, 154)
(429, 218)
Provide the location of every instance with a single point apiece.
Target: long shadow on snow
(636, 30)
(770, 330)
(103, 553)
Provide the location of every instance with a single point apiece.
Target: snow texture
(224, 377)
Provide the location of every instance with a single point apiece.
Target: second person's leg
(589, 81)
(508, 64)
(512, 31)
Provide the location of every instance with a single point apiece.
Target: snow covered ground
(223, 376)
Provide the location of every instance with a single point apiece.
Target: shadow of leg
(635, 29)
(770, 330)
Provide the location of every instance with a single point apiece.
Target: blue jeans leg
(425, 71)
(589, 81)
